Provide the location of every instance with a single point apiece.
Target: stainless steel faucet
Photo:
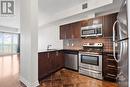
(48, 46)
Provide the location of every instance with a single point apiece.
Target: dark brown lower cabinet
(110, 69)
(44, 64)
(49, 62)
(59, 60)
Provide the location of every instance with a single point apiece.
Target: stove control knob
(100, 44)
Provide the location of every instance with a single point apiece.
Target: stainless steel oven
(90, 60)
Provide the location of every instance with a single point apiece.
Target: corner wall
(49, 35)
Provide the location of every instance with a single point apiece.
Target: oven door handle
(91, 54)
(94, 72)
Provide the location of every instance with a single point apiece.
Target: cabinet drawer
(110, 62)
(111, 66)
(110, 74)
(110, 77)
(111, 71)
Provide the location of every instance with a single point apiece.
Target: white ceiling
(54, 6)
(53, 10)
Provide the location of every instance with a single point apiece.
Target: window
(9, 43)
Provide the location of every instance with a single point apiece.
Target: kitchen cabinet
(63, 31)
(44, 64)
(87, 22)
(59, 60)
(110, 69)
(75, 27)
(70, 31)
(49, 62)
(98, 20)
(92, 21)
(108, 22)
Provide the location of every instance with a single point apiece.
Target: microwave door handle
(95, 32)
(114, 42)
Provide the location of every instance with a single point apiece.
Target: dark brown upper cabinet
(108, 21)
(70, 31)
(92, 21)
(75, 27)
(98, 20)
(63, 31)
(86, 22)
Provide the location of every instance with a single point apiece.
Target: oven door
(87, 32)
(90, 61)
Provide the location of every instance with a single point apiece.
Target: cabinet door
(88, 22)
(108, 24)
(69, 31)
(63, 32)
(98, 20)
(44, 65)
(75, 30)
(92, 21)
(59, 60)
(53, 60)
(84, 23)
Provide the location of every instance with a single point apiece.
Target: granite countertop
(73, 49)
(50, 50)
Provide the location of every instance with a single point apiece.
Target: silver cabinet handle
(65, 35)
(72, 36)
(48, 55)
(57, 53)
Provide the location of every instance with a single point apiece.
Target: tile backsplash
(78, 43)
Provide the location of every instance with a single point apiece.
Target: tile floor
(68, 78)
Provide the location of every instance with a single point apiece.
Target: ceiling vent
(84, 6)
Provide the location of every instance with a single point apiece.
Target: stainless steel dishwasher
(71, 59)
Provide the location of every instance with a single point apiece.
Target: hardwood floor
(68, 78)
(9, 76)
(9, 71)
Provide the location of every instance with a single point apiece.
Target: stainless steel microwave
(90, 31)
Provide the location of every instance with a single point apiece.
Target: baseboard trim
(29, 84)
